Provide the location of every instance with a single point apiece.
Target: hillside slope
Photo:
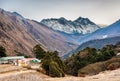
(13, 34)
(21, 35)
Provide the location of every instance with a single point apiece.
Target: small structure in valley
(27, 62)
(21, 61)
(10, 59)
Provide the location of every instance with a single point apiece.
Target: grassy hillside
(95, 68)
(90, 56)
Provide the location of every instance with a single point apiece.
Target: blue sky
(99, 11)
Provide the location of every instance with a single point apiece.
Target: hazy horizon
(98, 11)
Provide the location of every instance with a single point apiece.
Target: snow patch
(105, 36)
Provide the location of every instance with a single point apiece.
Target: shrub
(88, 56)
(95, 68)
(113, 66)
(53, 65)
(55, 70)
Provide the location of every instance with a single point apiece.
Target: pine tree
(38, 51)
(2, 52)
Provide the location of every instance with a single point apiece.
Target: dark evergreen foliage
(53, 65)
(39, 51)
(88, 56)
(2, 52)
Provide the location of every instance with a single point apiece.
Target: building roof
(35, 60)
(12, 58)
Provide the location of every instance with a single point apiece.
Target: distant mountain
(21, 35)
(78, 26)
(99, 43)
(107, 32)
(111, 31)
(100, 38)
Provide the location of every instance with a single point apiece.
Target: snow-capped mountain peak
(79, 26)
(84, 21)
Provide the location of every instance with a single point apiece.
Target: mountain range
(78, 26)
(18, 34)
(100, 38)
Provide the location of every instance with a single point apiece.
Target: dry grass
(95, 68)
(37, 76)
(16, 73)
(92, 69)
(22, 77)
(8, 68)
